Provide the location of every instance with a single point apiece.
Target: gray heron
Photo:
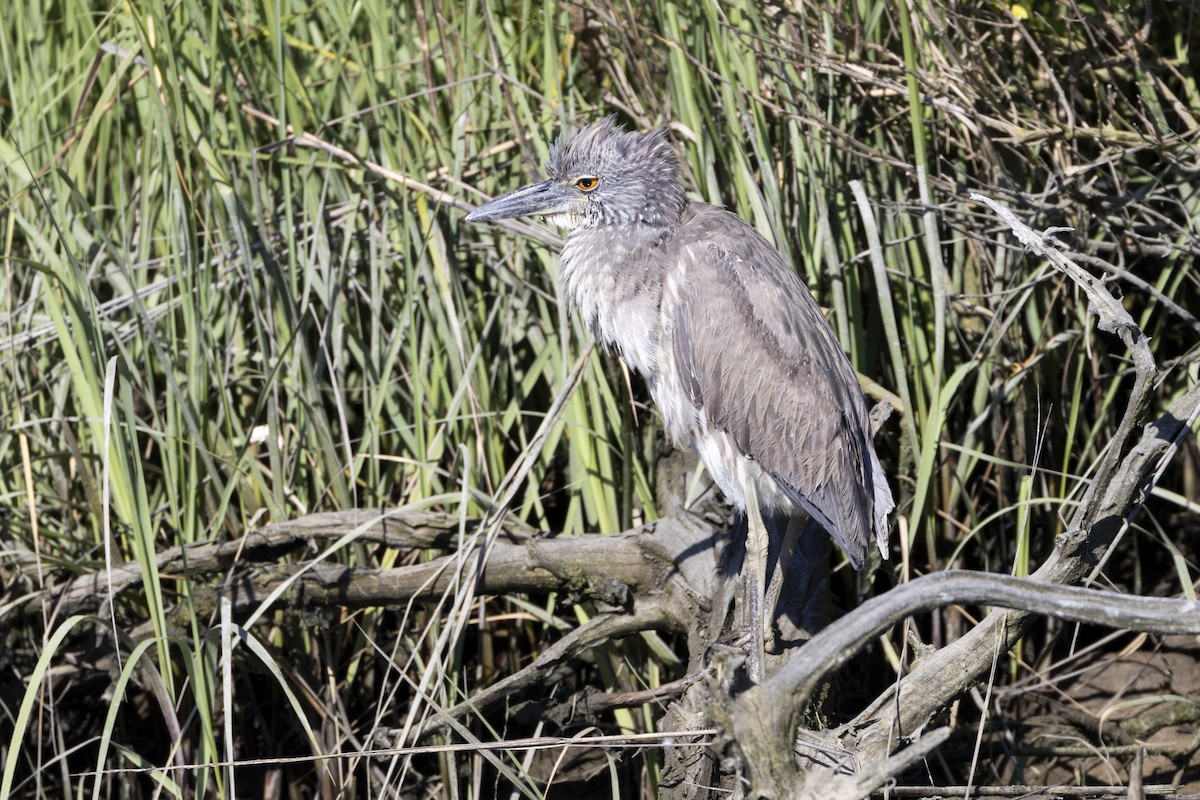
(736, 353)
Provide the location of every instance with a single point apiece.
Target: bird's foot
(741, 643)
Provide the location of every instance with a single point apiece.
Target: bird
(737, 356)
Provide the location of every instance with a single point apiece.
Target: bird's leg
(771, 603)
(756, 581)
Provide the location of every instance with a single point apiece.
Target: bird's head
(600, 176)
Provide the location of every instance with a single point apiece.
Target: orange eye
(587, 183)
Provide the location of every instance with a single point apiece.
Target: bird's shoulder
(729, 269)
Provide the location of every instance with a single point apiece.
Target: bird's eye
(587, 183)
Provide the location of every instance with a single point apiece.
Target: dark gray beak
(546, 197)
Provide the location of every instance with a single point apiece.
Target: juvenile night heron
(737, 355)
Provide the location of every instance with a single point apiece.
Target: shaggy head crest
(624, 178)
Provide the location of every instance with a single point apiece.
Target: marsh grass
(234, 292)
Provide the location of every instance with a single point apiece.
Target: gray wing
(757, 355)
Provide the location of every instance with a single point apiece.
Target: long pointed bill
(546, 197)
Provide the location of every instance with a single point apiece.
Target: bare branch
(1113, 317)
(598, 630)
(399, 528)
(761, 712)
(607, 568)
(835, 645)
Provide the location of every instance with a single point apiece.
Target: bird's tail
(884, 503)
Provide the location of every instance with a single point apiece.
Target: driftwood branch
(758, 714)
(398, 528)
(652, 560)
(834, 646)
(609, 569)
(648, 616)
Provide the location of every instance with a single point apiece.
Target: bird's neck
(614, 276)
